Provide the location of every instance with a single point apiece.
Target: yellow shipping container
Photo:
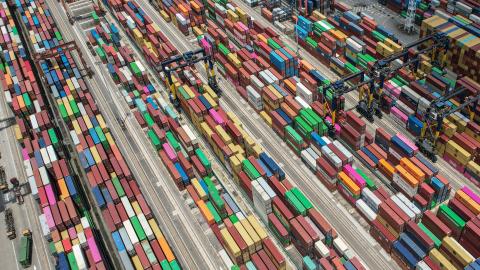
(257, 150)
(87, 121)
(242, 15)
(388, 227)
(266, 118)
(95, 155)
(462, 255)
(156, 231)
(458, 152)
(18, 133)
(210, 100)
(207, 89)
(246, 237)
(59, 246)
(64, 235)
(318, 15)
(440, 260)
(165, 15)
(79, 228)
(235, 164)
(256, 239)
(136, 263)
(206, 130)
(75, 242)
(136, 207)
(474, 167)
(234, 119)
(197, 31)
(101, 122)
(231, 15)
(231, 247)
(262, 38)
(223, 135)
(199, 189)
(257, 227)
(109, 137)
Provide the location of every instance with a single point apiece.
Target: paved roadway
(26, 215)
(174, 217)
(457, 180)
(357, 237)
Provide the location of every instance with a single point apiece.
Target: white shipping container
(128, 207)
(8, 97)
(322, 249)
(36, 105)
(344, 150)
(126, 240)
(82, 239)
(272, 77)
(326, 140)
(256, 82)
(354, 45)
(51, 153)
(266, 187)
(340, 245)
(225, 258)
(127, 264)
(315, 228)
(304, 92)
(33, 187)
(130, 231)
(371, 199)
(421, 265)
(44, 226)
(327, 153)
(78, 254)
(404, 207)
(366, 210)
(312, 153)
(46, 159)
(44, 176)
(302, 102)
(410, 204)
(28, 167)
(309, 160)
(190, 134)
(85, 223)
(33, 121)
(146, 227)
(74, 137)
(405, 187)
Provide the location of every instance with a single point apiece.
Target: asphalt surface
(25, 215)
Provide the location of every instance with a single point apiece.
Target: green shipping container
(27, 100)
(71, 261)
(370, 184)
(74, 107)
(174, 265)
(214, 212)
(154, 139)
(305, 202)
(118, 187)
(297, 205)
(135, 70)
(293, 134)
(53, 137)
(452, 216)
(250, 170)
(58, 35)
(138, 228)
(224, 50)
(233, 218)
(172, 141)
(274, 45)
(63, 111)
(101, 53)
(148, 119)
(165, 265)
(430, 234)
(303, 127)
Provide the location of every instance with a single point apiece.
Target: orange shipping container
(205, 212)
(386, 168)
(409, 179)
(412, 169)
(468, 202)
(349, 183)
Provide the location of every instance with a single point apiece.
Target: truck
(3, 179)
(25, 249)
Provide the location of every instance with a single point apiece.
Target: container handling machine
(371, 80)
(433, 119)
(187, 59)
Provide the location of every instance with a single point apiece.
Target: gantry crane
(376, 75)
(189, 58)
(433, 119)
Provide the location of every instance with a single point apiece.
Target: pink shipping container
(94, 249)
(50, 196)
(170, 152)
(354, 175)
(399, 114)
(216, 117)
(49, 218)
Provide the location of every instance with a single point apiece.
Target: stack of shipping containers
(128, 217)
(65, 221)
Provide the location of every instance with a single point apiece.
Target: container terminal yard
(230, 134)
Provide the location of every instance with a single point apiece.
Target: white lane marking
(15, 254)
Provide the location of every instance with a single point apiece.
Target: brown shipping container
(434, 224)
(274, 254)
